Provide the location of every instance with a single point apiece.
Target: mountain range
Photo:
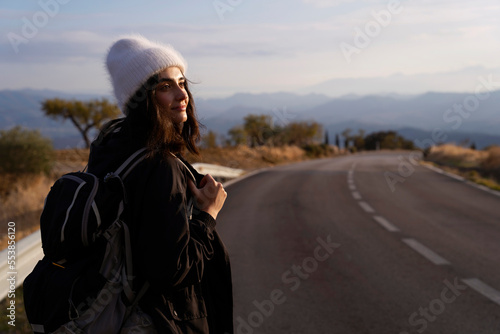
(436, 117)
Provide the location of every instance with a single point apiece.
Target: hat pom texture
(133, 59)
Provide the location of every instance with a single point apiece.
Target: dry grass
(23, 205)
(70, 160)
(244, 157)
(22, 196)
(492, 161)
(482, 167)
(491, 165)
(456, 156)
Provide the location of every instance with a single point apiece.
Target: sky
(256, 46)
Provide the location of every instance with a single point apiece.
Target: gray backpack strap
(129, 269)
(125, 168)
(119, 175)
(130, 164)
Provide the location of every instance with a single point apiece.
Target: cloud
(326, 3)
(55, 47)
(335, 3)
(278, 39)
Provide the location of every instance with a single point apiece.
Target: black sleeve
(172, 248)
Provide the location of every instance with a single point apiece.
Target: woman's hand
(210, 196)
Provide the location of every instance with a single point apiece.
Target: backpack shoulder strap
(125, 168)
(130, 163)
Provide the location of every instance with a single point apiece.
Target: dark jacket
(175, 248)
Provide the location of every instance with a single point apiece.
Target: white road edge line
(484, 289)
(386, 224)
(484, 188)
(426, 252)
(453, 176)
(365, 206)
(352, 187)
(459, 178)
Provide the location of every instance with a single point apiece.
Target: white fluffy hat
(133, 59)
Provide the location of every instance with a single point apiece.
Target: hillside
(415, 117)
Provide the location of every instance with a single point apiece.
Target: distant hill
(23, 107)
(415, 117)
(463, 80)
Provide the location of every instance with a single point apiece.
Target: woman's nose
(181, 94)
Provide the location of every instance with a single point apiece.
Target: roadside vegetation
(29, 165)
(26, 162)
(479, 166)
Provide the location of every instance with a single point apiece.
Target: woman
(175, 244)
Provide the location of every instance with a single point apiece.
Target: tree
(210, 140)
(237, 135)
(327, 139)
(85, 115)
(387, 140)
(258, 129)
(359, 140)
(303, 133)
(337, 140)
(347, 136)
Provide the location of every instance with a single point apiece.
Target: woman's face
(171, 94)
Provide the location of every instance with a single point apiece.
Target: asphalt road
(368, 243)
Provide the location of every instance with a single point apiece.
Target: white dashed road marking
(365, 206)
(386, 224)
(425, 252)
(475, 283)
(356, 195)
(484, 289)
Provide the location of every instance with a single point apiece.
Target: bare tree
(85, 115)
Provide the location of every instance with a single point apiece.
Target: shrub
(492, 161)
(318, 150)
(456, 156)
(24, 151)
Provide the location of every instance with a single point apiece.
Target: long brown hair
(146, 122)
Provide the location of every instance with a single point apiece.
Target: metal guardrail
(28, 251)
(218, 171)
(26, 254)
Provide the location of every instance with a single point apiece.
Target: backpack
(84, 283)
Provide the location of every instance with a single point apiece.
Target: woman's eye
(164, 87)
